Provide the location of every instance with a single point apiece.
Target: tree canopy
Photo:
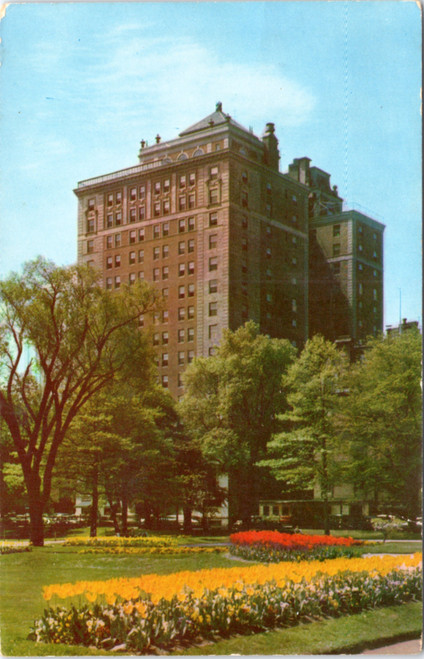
(230, 405)
(62, 339)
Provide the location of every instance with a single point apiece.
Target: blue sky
(83, 83)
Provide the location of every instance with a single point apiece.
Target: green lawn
(23, 575)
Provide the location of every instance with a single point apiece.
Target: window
(374, 255)
(190, 245)
(90, 246)
(269, 297)
(294, 280)
(294, 240)
(213, 172)
(213, 263)
(244, 177)
(165, 292)
(117, 240)
(294, 305)
(141, 255)
(214, 196)
(374, 273)
(181, 269)
(191, 224)
(244, 244)
(165, 316)
(118, 219)
(268, 187)
(360, 267)
(165, 358)
(109, 242)
(156, 231)
(166, 207)
(294, 322)
(191, 201)
(294, 199)
(91, 225)
(156, 208)
(142, 191)
(336, 230)
(294, 260)
(192, 178)
(155, 274)
(190, 334)
(117, 281)
(244, 267)
(141, 234)
(268, 232)
(213, 332)
(181, 226)
(119, 197)
(165, 251)
(182, 203)
(117, 261)
(132, 278)
(190, 290)
(157, 187)
(244, 311)
(166, 185)
(374, 294)
(294, 219)
(213, 240)
(133, 194)
(181, 247)
(190, 356)
(181, 313)
(336, 249)
(181, 335)
(131, 258)
(110, 200)
(360, 247)
(268, 274)
(268, 252)
(360, 288)
(213, 308)
(360, 229)
(182, 181)
(190, 311)
(191, 267)
(165, 272)
(91, 204)
(181, 292)
(244, 222)
(244, 199)
(156, 253)
(213, 286)
(141, 275)
(336, 268)
(165, 229)
(180, 384)
(133, 215)
(165, 381)
(268, 210)
(213, 219)
(181, 357)
(141, 213)
(109, 221)
(109, 282)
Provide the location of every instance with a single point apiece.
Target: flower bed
(272, 546)
(14, 547)
(117, 541)
(166, 610)
(153, 550)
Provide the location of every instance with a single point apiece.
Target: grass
(350, 634)
(22, 577)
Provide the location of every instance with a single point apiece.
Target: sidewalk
(406, 647)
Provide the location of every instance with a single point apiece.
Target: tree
(383, 419)
(306, 453)
(62, 339)
(230, 407)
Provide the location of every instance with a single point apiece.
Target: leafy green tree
(307, 453)
(230, 408)
(62, 339)
(383, 420)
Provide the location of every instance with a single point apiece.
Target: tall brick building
(209, 219)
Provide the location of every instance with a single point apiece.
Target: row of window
(115, 220)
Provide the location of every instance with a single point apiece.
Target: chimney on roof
(272, 154)
(219, 107)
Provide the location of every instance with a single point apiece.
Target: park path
(405, 647)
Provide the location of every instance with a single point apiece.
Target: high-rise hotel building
(209, 220)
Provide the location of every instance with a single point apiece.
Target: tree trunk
(94, 502)
(187, 526)
(36, 519)
(124, 523)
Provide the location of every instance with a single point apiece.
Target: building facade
(210, 221)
